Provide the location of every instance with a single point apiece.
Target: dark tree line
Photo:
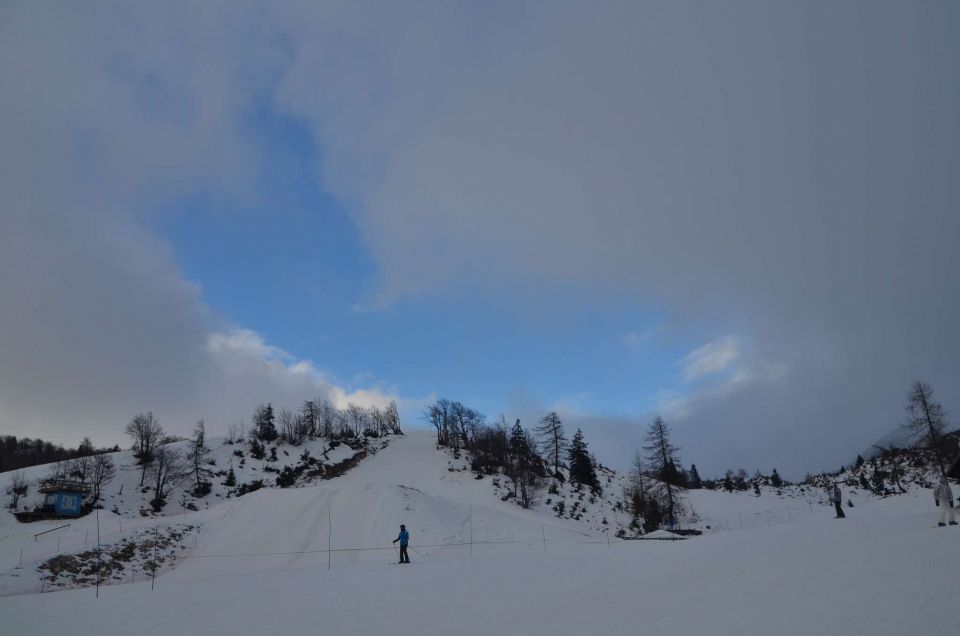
(17, 453)
(319, 418)
(521, 455)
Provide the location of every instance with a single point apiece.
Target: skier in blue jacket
(404, 539)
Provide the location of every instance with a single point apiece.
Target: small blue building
(63, 497)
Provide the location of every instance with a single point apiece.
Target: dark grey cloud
(783, 173)
(779, 174)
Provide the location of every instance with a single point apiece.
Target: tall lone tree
(197, 456)
(926, 421)
(147, 434)
(553, 439)
(662, 461)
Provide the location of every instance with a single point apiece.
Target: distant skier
(404, 539)
(943, 497)
(835, 497)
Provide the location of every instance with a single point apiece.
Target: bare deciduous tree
(438, 414)
(341, 422)
(102, 472)
(80, 468)
(378, 420)
(328, 418)
(286, 422)
(357, 416)
(168, 469)
(392, 417)
(464, 422)
(234, 432)
(147, 434)
(18, 488)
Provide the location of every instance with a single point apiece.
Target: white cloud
(293, 380)
(105, 117)
(711, 358)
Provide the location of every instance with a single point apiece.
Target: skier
(404, 539)
(943, 497)
(835, 497)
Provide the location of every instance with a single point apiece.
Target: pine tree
(695, 482)
(637, 493)
(582, 470)
(524, 465)
(263, 422)
(728, 481)
(860, 461)
(662, 458)
(231, 480)
(310, 418)
(653, 516)
(197, 457)
(775, 480)
(927, 421)
(553, 438)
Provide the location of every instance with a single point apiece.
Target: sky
(741, 216)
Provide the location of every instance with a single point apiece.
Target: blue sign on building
(69, 503)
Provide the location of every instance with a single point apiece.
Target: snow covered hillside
(773, 564)
(127, 514)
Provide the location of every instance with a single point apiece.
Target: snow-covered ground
(258, 566)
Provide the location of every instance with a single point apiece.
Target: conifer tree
(637, 493)
(927, 421)
(552, 438)
(775, 480)
(263, 423)
(582, 470)
(197, 458)
(695, 482)
(728, 481)
(662, 458)
(524, 467)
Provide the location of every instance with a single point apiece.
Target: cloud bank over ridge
(783, 173)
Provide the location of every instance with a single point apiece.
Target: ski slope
(408, 482)
(258, 567)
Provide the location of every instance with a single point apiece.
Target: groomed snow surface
(257, 566)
